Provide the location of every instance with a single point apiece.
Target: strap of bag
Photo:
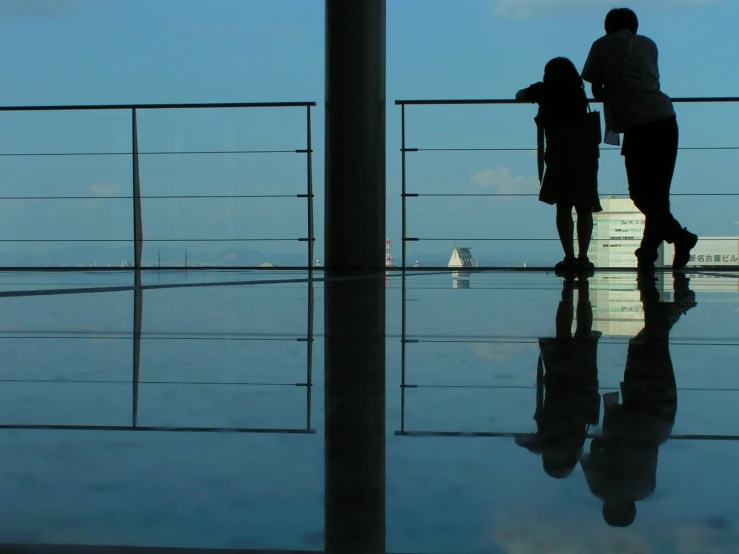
(539, 384)
(540, 149)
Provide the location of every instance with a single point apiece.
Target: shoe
(566, 266)
(683, 245)
(585, 266)
(645, 260)
(684, 298)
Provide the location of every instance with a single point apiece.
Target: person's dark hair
(621, 18)
(559, 464)
(561, 72)
(619, 514)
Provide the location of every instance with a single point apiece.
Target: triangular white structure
(461, 258)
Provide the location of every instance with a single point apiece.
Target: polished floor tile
(190, 412)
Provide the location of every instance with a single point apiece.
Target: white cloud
(504, 181)
(499, 352)
(98, 192)
(522, 532)
(524, 9)
(104, 191)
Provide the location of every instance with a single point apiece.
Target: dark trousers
(651, 152)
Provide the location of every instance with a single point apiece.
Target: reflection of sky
(474, 367)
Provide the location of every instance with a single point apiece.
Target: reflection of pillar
(355, 300)
(309, 352)
(355, 415)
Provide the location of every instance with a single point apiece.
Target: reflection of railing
(136, 186)
(405, 150)
(411, 342)
(138, 298)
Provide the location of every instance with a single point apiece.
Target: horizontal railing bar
(151, 197)
(128, 382)
(510, 387)
(468, 101)
(509, 434)
(45, 548)
(92, 107)
(534, 149)
(536, 195)
(149, 240)
(144, 268)
(414, 195)
(396, 272)
(172, 337)
(193, 152)
(256, 430)
(538, 240)
(535, 341)
(720, 270)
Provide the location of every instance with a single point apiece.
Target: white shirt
(626, 64)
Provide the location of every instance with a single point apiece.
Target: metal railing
(138, 339)
(413, 342)
(406, 149)
(138, 188)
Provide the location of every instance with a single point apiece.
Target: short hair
(621, 18)
(619, 514)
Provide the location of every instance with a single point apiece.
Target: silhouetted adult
(621, 468)
(567, 386)
(623, 69)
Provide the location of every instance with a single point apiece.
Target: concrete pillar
(355, 135)
(354, 290)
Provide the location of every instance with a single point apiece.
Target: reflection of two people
(621, 466)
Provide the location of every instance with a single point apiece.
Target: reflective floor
(523, 412)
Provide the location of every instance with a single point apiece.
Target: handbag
(592, 126)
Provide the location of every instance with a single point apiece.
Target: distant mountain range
(175, 256)
(170, 256)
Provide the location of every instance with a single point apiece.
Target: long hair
(561, 73)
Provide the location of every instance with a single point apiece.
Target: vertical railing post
(137, 226)
(138, 294)
(402, 270)
(311, 253)
(403, 185)
(309, 192)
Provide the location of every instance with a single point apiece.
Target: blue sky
(144, 51)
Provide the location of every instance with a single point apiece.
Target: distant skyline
(133, 51)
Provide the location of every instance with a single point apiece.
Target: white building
(461, 258)
(617, 233)
(710, 251)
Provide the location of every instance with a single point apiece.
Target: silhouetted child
(571, 156)
(567, 386)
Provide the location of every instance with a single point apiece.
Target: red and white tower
(388, 254)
